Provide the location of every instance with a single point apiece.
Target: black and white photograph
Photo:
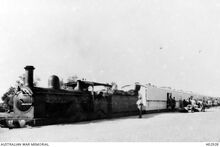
(101, 71)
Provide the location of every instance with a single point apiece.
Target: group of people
(187, 105)
(192, 105)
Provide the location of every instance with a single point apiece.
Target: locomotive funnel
(29, 79)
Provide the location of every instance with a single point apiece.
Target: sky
(173, 43)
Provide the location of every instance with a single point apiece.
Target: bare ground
(159, 127)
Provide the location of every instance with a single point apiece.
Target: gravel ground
(159, 127)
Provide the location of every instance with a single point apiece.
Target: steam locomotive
(39, 106)
(80, 102)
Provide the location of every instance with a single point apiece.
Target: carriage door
(169, 96)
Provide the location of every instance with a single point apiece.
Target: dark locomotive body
(39, 106)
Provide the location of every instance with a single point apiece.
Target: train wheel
(10, 124)
(21, 123)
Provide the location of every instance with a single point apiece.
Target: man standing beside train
(173, 104)
(140, 105)
(141, 102)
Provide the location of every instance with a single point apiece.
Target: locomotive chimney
(29, 79)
